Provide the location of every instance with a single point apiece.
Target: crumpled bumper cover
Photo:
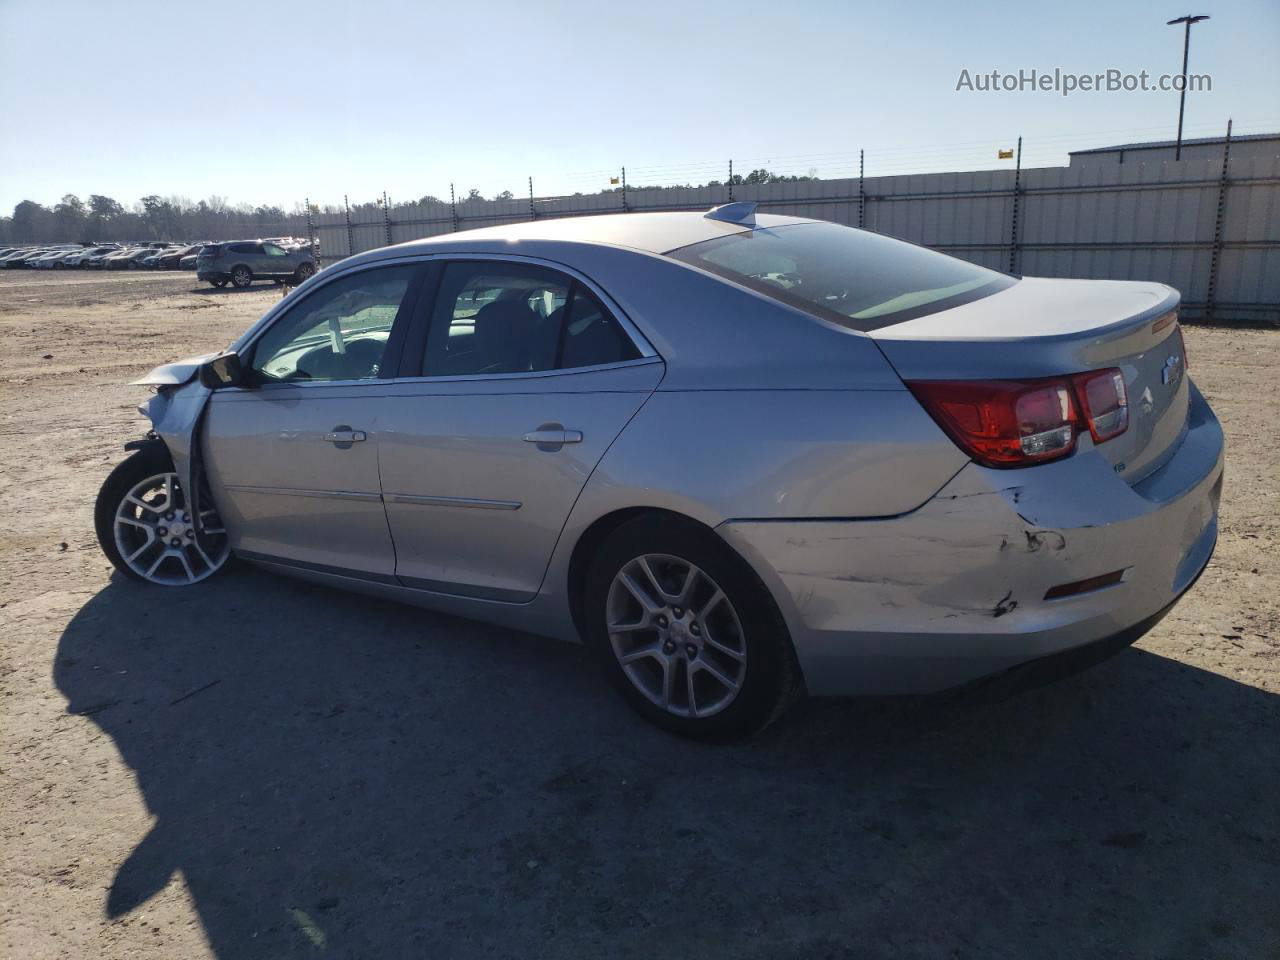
(955, 590)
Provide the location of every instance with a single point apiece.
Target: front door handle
(552, 436)
(346, 435)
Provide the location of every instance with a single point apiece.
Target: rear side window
(492, 318)
(591, 335)
(852, 277)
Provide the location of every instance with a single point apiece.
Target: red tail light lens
(1003, 423)
(1105, 402)
(1017, 423)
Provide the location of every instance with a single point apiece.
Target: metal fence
(1209, 227)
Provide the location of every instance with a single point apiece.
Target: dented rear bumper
(956, 590)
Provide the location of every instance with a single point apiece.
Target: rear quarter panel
(764, 411)
(776, 454)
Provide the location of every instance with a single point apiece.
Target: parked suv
(243, 261)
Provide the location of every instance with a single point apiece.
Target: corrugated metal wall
(1216, 240)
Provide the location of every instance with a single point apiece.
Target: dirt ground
(261, 768)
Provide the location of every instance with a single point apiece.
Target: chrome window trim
(270, 388)
(526, 375)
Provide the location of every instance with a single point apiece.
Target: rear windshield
(852, 277)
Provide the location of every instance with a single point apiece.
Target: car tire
(745, 622)
(304, 272)
(241, 277)
(135, 533)
(218, 283)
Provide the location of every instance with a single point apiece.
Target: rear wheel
(686, 632)
(241, 277)
(145, 525)
(304, 271)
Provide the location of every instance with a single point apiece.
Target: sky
(274, 103)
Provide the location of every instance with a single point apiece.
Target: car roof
(650, 232)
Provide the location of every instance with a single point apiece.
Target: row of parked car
(154, 255)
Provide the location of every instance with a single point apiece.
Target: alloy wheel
(158, 538)
(676, 635)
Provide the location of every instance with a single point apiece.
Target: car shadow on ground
(338, 776)
(209, 290)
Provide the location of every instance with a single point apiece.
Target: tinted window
(856, 278)
(592, 335)
(339, 332)
(272, 250)
(513, 318)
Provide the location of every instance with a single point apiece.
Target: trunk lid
(1041, 328)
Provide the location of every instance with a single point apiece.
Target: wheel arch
(590, 541)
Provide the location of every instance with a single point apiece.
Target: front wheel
(686, 632)
(241, 277)
(146, 528)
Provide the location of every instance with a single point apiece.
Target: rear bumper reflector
(1084, 586)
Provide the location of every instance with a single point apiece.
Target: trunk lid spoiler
(1045, 327)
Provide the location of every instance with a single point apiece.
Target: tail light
(1017, 423)
(1105, 402)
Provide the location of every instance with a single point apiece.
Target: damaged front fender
(176, 413)
(174, 374)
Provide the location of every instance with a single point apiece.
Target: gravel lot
(261, 768)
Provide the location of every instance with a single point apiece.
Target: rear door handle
(552, 436)
(345, 436)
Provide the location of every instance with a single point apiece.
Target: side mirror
(223, 370)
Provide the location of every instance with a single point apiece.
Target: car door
(526, 377)
(274, 261)
(292, 458)
(253, 255)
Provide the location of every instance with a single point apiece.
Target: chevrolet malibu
(740, 456)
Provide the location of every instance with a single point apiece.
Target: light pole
(1189, 19)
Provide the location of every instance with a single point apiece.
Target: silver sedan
(739, 456)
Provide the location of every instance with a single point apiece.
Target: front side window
(339, 332)
(494, 318)
(853, 277)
